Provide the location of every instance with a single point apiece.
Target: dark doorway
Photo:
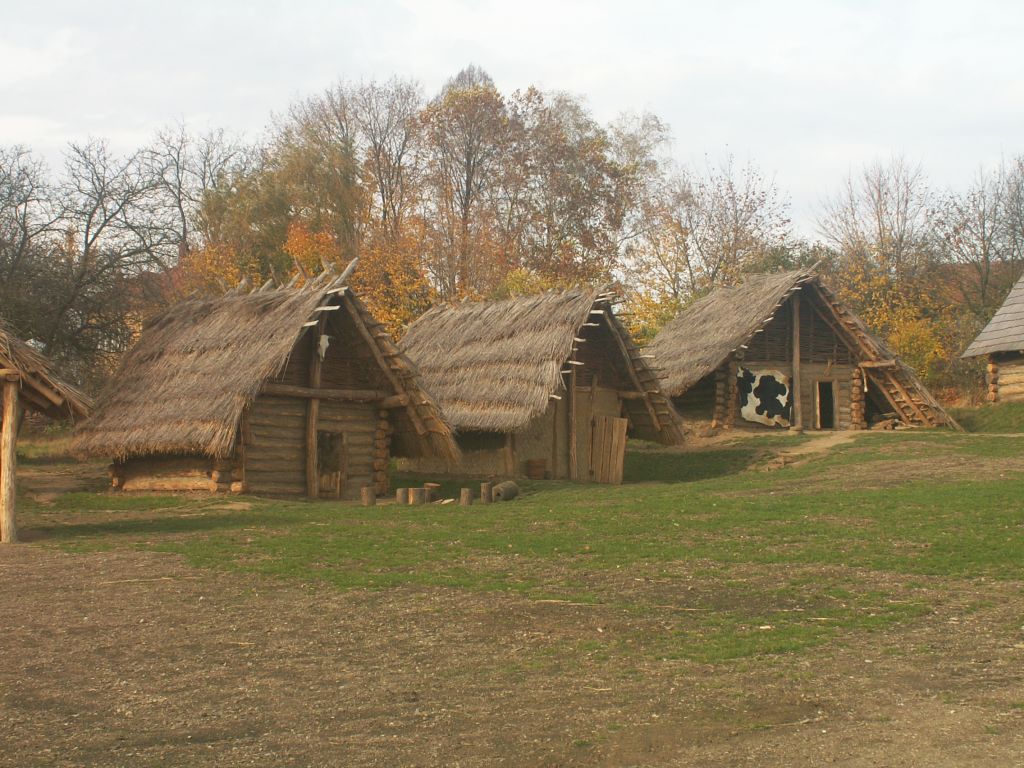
(826, 406)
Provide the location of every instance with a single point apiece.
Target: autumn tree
(465, 130)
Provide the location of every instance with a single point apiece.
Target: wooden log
(573, 397)
(9, 462)
(274, 389)
(466, 497)
(417, 496)
(401, 495)
(432, 491)
(486, 493)
(798, 421)
(144, 482)
(238, 487)
(368, 495)
(394, 401)
(505, 491)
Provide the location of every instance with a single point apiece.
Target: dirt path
(134, 659)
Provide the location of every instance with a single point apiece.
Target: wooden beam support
(878, 364)
(633, 376)
(573, 465)
(319, 393)
(313, 413)
(798, 423)
(9, 462)
(394, 401)
(371, 342)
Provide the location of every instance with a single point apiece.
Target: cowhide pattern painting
(764, 397)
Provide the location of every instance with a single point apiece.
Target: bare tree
(387, 118)
(881, 218)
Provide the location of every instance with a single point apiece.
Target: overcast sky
(808, 90)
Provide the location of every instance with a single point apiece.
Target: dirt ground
(136, 659)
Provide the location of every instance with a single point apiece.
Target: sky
(808, 91)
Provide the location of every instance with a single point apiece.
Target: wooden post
(9, 461)
(369, 495)
(485, 493)
(401, 496)
(573, 462)
(466, 497)
(554, 439)
(797, 422)
(510, 454)
(313, 413)
(417, 496)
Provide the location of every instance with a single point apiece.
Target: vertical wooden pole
(313, 414)
(798, 423)
(573, 464)
(9, 461)
(510, 454)
(590, 429)
(554, 439)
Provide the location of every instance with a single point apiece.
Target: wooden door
(609, 448)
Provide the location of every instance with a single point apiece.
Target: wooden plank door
(609, 448)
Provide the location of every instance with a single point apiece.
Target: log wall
(274, 446)
(164, 474)
(1006, 378)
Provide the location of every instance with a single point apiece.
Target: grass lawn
(868, 519)
(776, 583)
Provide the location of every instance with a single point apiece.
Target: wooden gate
(609, 452)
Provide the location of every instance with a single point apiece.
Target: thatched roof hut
(27, 381)
(499, 366)
(40, 390)
(1002, 341)
(202, 367)
(755, 322)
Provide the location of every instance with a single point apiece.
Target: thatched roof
(184, 385)
(703, 336)
(495, 365)
(1005, 331)
(696, 342)
(40, 389)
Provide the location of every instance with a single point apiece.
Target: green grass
(782, 560)
(998, 418)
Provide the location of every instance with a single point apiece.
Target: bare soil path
(135, 659)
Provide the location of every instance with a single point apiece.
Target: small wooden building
(289, 391)
(780, 350)
(540, 386)
(29, 384)
(1002, 342)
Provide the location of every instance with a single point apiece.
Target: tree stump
(466, 497)
(485, 493)
(417, 496)
(401, 495)
(369, 495)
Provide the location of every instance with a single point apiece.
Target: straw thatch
(41, 390)
(703, 336)
(1005, 331)
(494, 365)
(183, 387)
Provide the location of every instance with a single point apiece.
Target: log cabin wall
(357, 436)
(164, 474)
(274, 446)
(1006, 377)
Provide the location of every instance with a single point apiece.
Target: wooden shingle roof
(1005, 331)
